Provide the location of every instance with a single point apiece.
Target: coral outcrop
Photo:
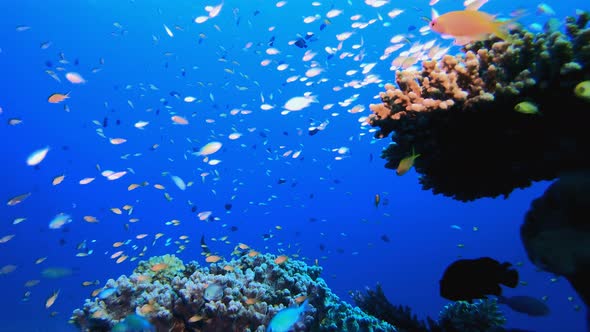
(172, 297)
(459, 113)
(460, 316)
(556, 231)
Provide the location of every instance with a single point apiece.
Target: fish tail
(499, 30)
(304, 306)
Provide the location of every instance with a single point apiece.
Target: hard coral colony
(459, 113)
(246, 298)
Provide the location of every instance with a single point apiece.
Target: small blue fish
(284, 320)
(134, 323)
(107, 292)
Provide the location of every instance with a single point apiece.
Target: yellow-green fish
(582, 90)
(526, 107)
(406, 163)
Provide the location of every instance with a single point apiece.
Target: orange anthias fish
(468, 25)
(58, 97)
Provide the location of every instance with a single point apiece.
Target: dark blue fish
(204, 246)
(300, 42)
(525, 305)
(469, 279)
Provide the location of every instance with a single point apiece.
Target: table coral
(458, 113)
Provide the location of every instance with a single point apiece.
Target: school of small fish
(210, 120)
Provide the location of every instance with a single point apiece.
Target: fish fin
(460, 41)
(510, 278)
(500, 32)
(500, 28)
(474, 6)
(304, 306)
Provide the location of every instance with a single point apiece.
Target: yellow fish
(582, 90)
(526, 107)
(406, 163)
(468, 25)
(377, 199)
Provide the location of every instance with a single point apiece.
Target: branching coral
(375, 303)
(458, 113)
(254, 290)
(480, 316)
(460, 316)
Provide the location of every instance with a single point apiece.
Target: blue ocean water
(317, 205)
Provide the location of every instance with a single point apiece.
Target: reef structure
(556, 232)
(480, 316)
(459, 114)
(238, 295)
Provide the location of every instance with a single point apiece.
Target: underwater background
(273, 186)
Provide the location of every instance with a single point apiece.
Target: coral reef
(161, 268)
(458, 113)
(479, 316)
(254, 290)
(460, 316)
(556, 231)
(376, 304)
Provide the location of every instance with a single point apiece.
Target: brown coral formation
(254, 289)
(458, 113)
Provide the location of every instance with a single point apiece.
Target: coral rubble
(172, 296)
(458, 113)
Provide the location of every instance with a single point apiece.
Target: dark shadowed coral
(254, 290)
(460, 316)
(479, 316)
(458, 113)
(556, 231)
(376, 304)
